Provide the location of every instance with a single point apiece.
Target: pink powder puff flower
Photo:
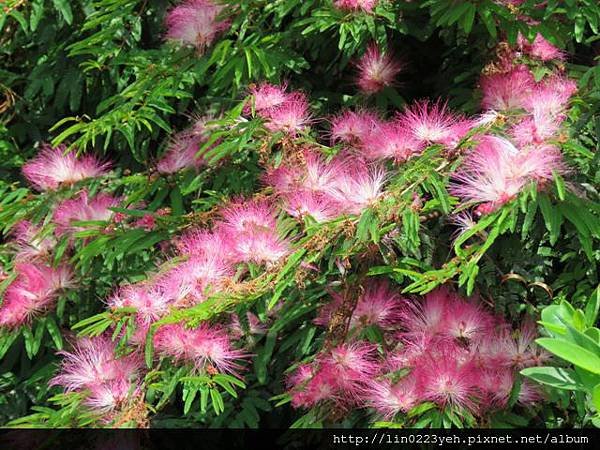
(291, 117)
(353, 127)
(260, 245)
(93, 367)
(391, 140)
(356, 5)
(466, 321)
(390, 399)
(427, 316)
(413, 346)
(530, 394)
(535, 129)
(354, 362)
(266, 97)
(322, 386)
(151, 303)
(507, 91)
(83, 208)
(196, 23)
(243, 215)
(322, 176)
(540, 48)
(359, 187)
(379, 305)
(184, 149)
(495, 172)
(464, 221)
(429, 122)
(495, 386)
(194, 280)
(447, 381)
(251, 228)
(551, 97)
(458, 132)
(53, 167)
(204, 243)
(205, 346)
(30, 242)
(34, 290)
(518, 349)
(319, 206)
(376, 70)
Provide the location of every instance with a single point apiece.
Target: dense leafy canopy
(232, 218)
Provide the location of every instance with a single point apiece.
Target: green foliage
(96, 75)
(574, 339)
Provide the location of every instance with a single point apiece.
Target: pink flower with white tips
(467, 321)
(315, 388)
(291, 117)
(447, 381)
(314, 204)
(33, 292)
(356, 362)
(184, 149)
(204, 243)
(196, 23)
(427, 316)
(376, 70)
(356, 5)
(242, 215)
(194, 280)
(31, 243)
(359, 187)
(83, 208)
(151, 304)
(391, 140)
(107, 381)
(390, 399)
(266, 97)
(205, 346)
(530, 394)
(378, 305)
(535, 129)
(495, 386)
(540, 48)
(507, 91)
(53, 167)
(429, 122)
(251, 228)
(495, 172)
(353, 127)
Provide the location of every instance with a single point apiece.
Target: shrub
(299, 213)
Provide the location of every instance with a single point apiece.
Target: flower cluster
(376, 70)
(56, 166)
(356, 5)
(108, 382)
(282, 111)
(441, 349)
(499, 168)
(195, 23)
(184, 147)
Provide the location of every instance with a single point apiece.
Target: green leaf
(552, 217)
(591, 308)
(65, 10)
(572, 353)
(558, 377)
(596, 397)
